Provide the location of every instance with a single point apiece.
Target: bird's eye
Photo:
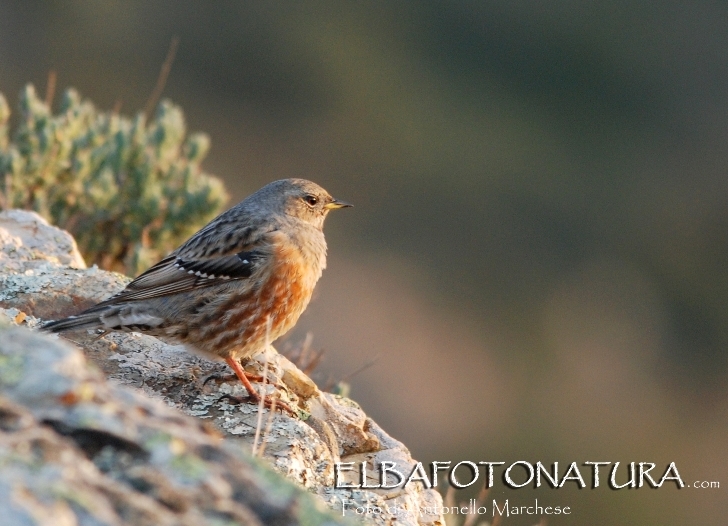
(311, 199)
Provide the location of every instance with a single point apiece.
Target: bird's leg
(243, 376)
(252, 393)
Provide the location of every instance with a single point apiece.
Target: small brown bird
(236, 285)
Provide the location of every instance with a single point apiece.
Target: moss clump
(129, 191)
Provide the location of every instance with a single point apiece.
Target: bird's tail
(89, 319)
(121, 317)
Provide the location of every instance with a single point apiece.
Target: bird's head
(302, 199)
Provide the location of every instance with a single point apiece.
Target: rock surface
(48, 281)
(76, 449)
(26, 240)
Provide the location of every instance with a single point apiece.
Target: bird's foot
(252, 393)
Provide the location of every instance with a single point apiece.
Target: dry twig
(162, 78)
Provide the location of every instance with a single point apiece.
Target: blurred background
(537, 262)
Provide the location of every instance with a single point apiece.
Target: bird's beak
(333, 205)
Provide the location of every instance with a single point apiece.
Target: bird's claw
(221, 377)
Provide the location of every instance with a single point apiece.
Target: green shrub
(128, 190)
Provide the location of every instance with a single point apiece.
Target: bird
(235, 286)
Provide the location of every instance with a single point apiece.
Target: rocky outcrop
(139, 430)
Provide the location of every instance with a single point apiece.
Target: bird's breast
(289, 287)
(278, 293)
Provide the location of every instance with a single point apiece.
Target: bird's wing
(173, 275)
(200, 262)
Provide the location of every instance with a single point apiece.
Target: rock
(297, 381)
(76, 449)
(26, 239)
(304, 450)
